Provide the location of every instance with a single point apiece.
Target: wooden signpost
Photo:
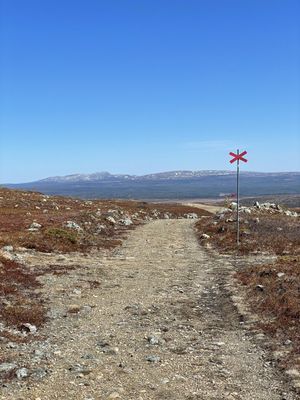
(237, 157)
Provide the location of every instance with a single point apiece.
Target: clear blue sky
(140, 86)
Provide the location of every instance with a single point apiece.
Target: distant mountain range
(166, 185)
(106, 176)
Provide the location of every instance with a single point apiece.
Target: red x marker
(238, 157)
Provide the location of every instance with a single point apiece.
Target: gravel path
(161, 325)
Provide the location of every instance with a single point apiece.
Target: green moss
(59, 233)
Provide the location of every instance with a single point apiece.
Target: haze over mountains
(166, 185)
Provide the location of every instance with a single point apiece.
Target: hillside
(127, 299)
(166, 185)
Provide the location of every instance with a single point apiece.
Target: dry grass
(273, 291)
(18, 209)
(18, 302)
(274, 233)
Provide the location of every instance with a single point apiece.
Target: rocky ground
(158, 318)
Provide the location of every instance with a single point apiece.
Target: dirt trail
(160, 284)
(207, 207)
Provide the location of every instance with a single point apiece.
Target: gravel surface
(151, 320)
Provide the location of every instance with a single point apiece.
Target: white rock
(153, 340)
(100, 228)
(293, 373)
(191, 216)
(35, 226)
(153, 359)
(8, 248)
(291, 213)
(111, 219)
(126, 221)
(204, 236)
(73, 225)
(28, 328)
(233, 206)
(22, 373)
(247, 210)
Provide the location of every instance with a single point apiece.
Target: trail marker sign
(237, 157)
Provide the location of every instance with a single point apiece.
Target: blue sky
(140, 86)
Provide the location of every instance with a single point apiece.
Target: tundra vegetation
(267, 264)
(31, 221)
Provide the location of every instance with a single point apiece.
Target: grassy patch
(62, 234)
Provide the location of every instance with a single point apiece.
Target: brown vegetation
(16, 305)
(19, 209)
(96, 225)
(272, 289)
(260, 232)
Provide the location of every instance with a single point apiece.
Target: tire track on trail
(160, 326)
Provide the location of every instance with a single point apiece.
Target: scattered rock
(28, 328)
(80, 369)
(191, 216)
(293, 373)
(204, 236)
(126, 221)
(22, 373)
(34, 227)
(153, 359)
(246, 210)
(102, 343)
(111, 220)
(291, 213)
(153, 340)
(112, 351)
(8, 248)
(7, 367)
(73, 225)
(233, 206)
